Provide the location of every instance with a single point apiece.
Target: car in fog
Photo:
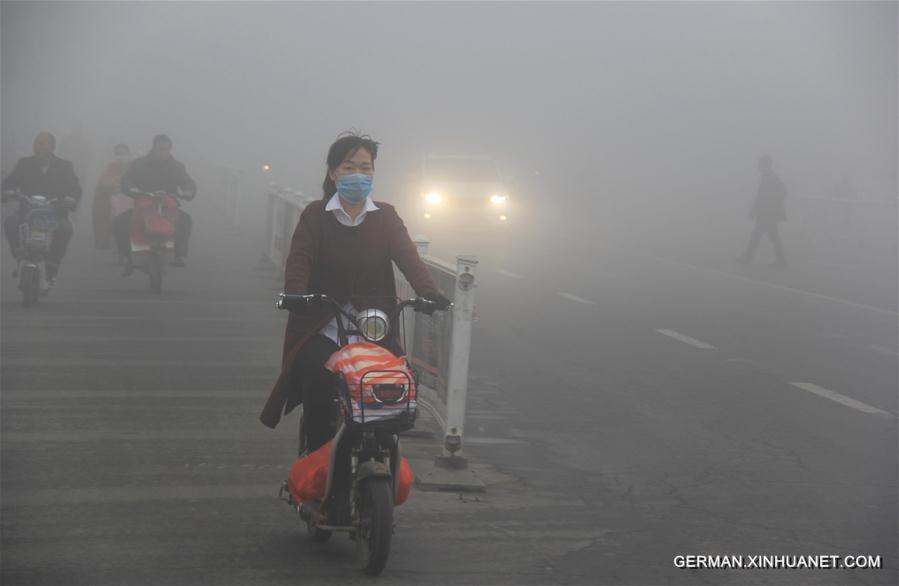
(456, 190)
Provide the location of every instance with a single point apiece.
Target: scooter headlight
(372, 324)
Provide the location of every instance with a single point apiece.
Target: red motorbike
(152, 232)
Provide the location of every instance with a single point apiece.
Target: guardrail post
(457, 383)
(421, 243)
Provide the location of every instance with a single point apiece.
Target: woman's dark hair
(344, 147)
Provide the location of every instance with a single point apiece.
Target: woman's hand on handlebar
(297, 301)
(431, 302)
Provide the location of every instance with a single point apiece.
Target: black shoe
(128, 270)
(179, 262)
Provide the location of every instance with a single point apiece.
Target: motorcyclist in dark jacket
(48, 175)
(157, 171)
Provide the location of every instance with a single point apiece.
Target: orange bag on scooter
(308, 477)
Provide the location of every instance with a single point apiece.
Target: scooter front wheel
(375, 510)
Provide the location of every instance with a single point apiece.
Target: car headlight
(433, 198)
(497, 200)
(372, 324)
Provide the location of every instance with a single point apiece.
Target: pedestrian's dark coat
(769, 201)
(350, 264)
(58, 181)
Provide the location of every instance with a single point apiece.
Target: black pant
(121, 227)
(763, 227)
(317, 387)
(58, 246)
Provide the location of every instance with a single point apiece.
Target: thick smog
(449, 292)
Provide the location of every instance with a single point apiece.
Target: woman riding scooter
(344, 246)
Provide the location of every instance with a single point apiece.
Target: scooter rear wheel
(375, 510)
(30, 280)
(154, 270)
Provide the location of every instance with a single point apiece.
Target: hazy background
(634, 392)
(647, 118)
(638, 98)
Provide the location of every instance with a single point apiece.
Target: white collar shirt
(334, 205)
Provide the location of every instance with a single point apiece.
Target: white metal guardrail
(438, 346)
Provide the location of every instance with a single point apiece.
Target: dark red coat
(352, 264)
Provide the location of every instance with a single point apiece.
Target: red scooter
(352, 483)
(152, 233)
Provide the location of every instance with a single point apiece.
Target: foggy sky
(658, 99)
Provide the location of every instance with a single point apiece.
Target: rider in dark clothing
(154, 172)
(54, 178)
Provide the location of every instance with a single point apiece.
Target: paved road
(132, 453)
(691, 407)
(620, 415)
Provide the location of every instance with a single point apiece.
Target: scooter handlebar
(296, 302)
(135, 192)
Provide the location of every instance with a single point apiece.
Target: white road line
(509, 274)
(885, 350)
(686, 339)
(754, 281)
(842, 399)
(576, 298)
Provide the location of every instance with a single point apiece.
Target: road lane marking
(885, 350)
(571, 297)
(842, 399)
(754, 281)
(509, 274)
(686, 339)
